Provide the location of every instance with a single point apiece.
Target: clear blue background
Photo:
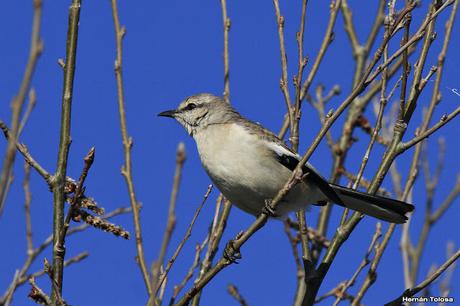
(174, 49)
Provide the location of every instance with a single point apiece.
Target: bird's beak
(168, 113)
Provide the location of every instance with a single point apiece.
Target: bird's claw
(268, 209)
(231, 253)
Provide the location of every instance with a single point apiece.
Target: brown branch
(29, 109)
(383, 102)
(327, 40)
(227, 24)
(363, 182)
(171, 221)
(302, 62)
(296, 176)
(446, 203)
(413, 291)
(27, 201)
(37, 294)
(405, 67)
(335, 292)
(362, 265)
(100, 223)
(320, 104)
(126, 170)
(78, 193)
(425, 134)
(350, 28)
(215, 236)
(344, 231)
(234, 245)
(188, 276)
(59, 178)
(68, 262)
(294, 139)
(187, 235)
(234, 292)
(27, 156)
(411, 256)
(356, 109)
(371, 274)
(23, 275)
(284, 71)
(36, 47)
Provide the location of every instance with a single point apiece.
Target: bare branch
(37, 294)
(187, 235)
(126, 170)
(425, 134)
(171, 221)
(233, 291)
(227, 23)
(413, 291)
(36, 47)
(59, 178)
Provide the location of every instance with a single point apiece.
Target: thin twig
(78, 193)
(362, 265)
(226, 23)
(127, 145)
(327, 40)
(38, 295)
(413, 291)
(23, 275)
(234, 292)
(188, 276)
(425, 134)
(29, 109)
(36, 47)
(284, 71)
(27, 201)
(187, 235)
(171, 221)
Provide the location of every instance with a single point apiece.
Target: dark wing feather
(291, 163)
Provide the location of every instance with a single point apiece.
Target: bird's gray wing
(290, 160)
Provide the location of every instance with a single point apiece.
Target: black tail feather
(376, 206)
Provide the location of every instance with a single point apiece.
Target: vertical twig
(227, 24)
(171, 221)
(284, 71)
(36, 47)
(127, 145)
(59, 178)
(327, 40)
(27, 201)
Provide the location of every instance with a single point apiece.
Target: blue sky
(174, 49)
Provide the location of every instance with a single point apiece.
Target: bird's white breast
(243, 167)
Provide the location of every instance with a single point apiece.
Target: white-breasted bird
(250, 164)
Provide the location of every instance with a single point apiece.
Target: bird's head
(201, 110)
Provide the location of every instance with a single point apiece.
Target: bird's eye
(190, 106)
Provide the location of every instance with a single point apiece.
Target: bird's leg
(231, 253)
(268, 209)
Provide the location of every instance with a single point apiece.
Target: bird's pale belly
(247, 178)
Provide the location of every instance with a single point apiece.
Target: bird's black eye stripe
(190, 106)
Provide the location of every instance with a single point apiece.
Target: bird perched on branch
(250, 165)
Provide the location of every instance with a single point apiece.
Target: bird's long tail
(376, 206)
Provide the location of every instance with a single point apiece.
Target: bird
(249, 165)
